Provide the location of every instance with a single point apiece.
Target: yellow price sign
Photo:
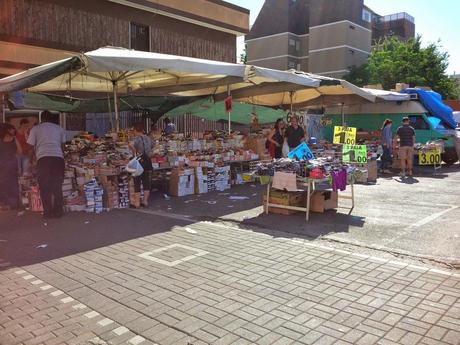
(344, 135)
(430, 157)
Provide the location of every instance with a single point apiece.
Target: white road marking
(105, 322)
(67, 300)
(434, 270)
(136, 340)
(164, 214)
(314, 245)
(120, 330)
(79, 306)
(149, 256)
(56, 293)
(91, 314)
(432, 217)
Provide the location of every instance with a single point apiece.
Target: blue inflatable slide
(432, 101)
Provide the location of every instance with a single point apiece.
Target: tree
(394, 61)
(244, 55)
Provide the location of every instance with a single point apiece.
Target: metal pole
(3, 110)
(115, 102)
(229, 113)
(343, 116)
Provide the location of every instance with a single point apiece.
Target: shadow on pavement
(243, 205)
(27, 240)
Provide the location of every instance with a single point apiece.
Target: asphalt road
(418, 217)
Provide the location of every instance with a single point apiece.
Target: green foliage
(244, 55)
(394, 61)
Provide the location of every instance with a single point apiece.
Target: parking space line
(92, 314)
(431, 217)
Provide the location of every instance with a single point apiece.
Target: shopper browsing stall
(47, 139)
(170, 128)
(276, 139)
(406, 137)
(294, 134)
(142, 147)
(9, 148)
(21, 137)
(387, 143)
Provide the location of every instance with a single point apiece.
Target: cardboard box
(278, 197)
(372, 171)
(181, 185)
(324, 200)
(256, 145)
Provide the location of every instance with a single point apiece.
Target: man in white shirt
(47, 139)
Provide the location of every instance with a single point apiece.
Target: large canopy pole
(343, 115)
(115, 104)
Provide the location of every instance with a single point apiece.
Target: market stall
(96, 167)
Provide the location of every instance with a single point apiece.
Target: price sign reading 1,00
(432, 157)
(344, 135)
(354, 154)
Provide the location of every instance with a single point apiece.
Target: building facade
(320, 36)
(34, 32)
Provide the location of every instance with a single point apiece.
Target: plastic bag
(134, 167)
(285, 149)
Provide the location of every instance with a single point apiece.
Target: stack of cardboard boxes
(222, 178)
(182, 182)
(201, 180)
(284, 198)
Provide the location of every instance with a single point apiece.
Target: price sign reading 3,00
(431, 157)
(344, 135)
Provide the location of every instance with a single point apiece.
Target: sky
(434, 20)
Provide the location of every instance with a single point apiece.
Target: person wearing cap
(406, 137)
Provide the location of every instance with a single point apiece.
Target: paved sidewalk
(206, 283)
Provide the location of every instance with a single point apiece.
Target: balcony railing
(397, 16)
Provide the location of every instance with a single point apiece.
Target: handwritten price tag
(431, 157)
(344, 135)
(354, 154)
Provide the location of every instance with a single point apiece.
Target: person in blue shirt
(387, 144)
(170, 128)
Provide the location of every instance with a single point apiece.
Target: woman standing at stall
(276, 139)
(9, 149)
(387, 143)
(142, 147)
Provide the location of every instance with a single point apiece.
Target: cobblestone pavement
(207, 283)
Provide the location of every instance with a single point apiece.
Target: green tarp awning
(38, 101)
(215, 111)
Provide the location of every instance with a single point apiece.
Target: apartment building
(320, 36)
(34, 32)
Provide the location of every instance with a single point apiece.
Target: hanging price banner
(354, 154)
(431, 157)
(344, 135)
